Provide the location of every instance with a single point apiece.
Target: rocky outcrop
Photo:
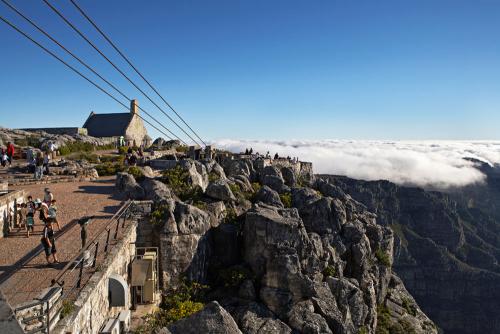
(322, 266)
(445, 252)
(220, 190)
(127, 186)
(155, 190)
(212, 319)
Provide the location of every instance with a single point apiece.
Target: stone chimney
(134, 106)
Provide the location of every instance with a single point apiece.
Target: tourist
(53, 213)
(39, 166)
(251, 151)
(31, 208)
(30, 224)
(46, 161)
(4, 157)
(276, 156)
(20, 215)
(49, 242)
(43, 208)
(84, 222)
(10, 152)
(47, 197)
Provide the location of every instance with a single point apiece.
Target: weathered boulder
(197, 172)
(255, 318)
(289, 176)
(211, 319)
(155, 190)
(220, 190)
(269, 196)
(127, 186)
(184, 243)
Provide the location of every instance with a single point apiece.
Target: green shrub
(384, 322)
(233, 277)
(286, 199)
(256, 187)
(122, 150)
(136, 172)
(363, 330)
(108, 168)
(382, 257)
(28, 141)
(329, 271)
(90, 157)
(182, 149)
(409, 306)
(66, 308)
(231, 217)
(212, 177)
(158, 216)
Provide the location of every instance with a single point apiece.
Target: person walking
(39, 166)
(49, 243)
(30, 208)
(53, 214)
(3, 157)
(43, 209)
(10, 152)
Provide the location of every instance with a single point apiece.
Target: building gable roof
(108, 125)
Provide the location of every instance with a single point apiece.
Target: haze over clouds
(439, 164)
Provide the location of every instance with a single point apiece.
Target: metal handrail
(79, 257)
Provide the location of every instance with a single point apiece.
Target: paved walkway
(23, 268)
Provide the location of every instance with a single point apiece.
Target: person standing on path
(84, 222)
(49, 243)
(53, 214)
(47, 197)
(39, 166)
(10, 152)
(46, 162)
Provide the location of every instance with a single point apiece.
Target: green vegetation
(383, 257)
(159, 214)
(233, 277)
(231, 217)
(79, 146)
(329, 271)
(212, 177)
(286, 199)
(182, 149)
(122, 150)
(409, 306)
(398, 231)
(136, 172)
(28, 141)
(363, 330)
(177, 304)
(66, 308)
(109, 168)
(256, 187)
(386, 326)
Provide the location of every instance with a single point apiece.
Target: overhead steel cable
(76, 71)
(55, 10)
(86, 65)
(131, 65)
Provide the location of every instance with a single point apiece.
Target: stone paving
(23, 268)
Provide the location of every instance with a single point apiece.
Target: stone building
(116, 125)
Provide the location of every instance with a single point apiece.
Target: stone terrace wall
(60, 131)
(7, 202)
(8, 322)
(92, 306)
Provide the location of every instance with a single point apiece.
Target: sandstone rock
(155, 190)
(289, 176)
(254, 318)
(212, 319)
(126, 185)
(220, 190)
(269, 196)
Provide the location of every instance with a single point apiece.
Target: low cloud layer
(438, 164)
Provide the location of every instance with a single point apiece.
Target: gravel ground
(23, 268)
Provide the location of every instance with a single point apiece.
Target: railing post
(123, 223)
(95, 254)
(107, 242)
(79, 283)
(48, 318)
(116, 230)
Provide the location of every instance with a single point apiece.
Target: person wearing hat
(48, 197)
(49, 242)
(43, 208)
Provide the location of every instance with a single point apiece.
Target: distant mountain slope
(447, 248)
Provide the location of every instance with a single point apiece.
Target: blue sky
(273, 69)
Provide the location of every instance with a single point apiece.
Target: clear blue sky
(266, 69)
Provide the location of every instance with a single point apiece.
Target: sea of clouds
(430, 164)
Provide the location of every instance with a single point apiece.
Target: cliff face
(446, 252)
(280, 257)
